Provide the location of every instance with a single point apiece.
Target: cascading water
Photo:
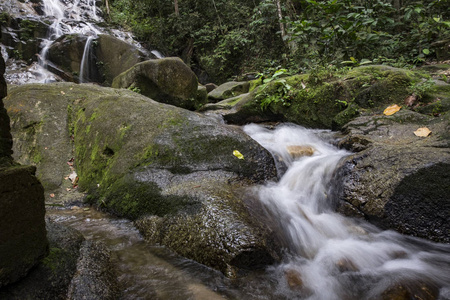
(84, 66)
(330, 256)
(64, 17)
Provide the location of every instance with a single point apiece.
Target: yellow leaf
(422, 132)
(390, 110)
(238, 154)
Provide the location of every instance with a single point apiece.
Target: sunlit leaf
(238, 154)
(422, 132)
(390, 110)
(426, 51)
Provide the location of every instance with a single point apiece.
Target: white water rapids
(329, 256)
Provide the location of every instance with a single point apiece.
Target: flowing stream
(328, 256)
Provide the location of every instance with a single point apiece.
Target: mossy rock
(138, 158)
(166, 80)
(228, 90)
(328, 100)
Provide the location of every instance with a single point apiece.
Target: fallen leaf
(390, 110)
(86, 209)
(238, 154)
(411, 100)
(73, 176)
(303, 85)
(67, 189)
(62, 93)
(52, 195)
(422, 132)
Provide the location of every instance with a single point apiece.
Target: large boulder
(105, 57)
(396, 179)
(114, 56)
(166, 80)
(171, 170)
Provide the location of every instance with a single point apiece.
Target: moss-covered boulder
(228, 90)
(147, 161)
(396, 179)
(166, 80)
(324, 99)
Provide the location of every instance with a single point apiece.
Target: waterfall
(330, 256)
(84, 66)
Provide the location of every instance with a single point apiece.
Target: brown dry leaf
(390, 110)
(422, 132)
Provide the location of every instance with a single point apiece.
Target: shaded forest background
(220, 39)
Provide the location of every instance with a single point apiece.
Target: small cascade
(330, 256)
(84, 66)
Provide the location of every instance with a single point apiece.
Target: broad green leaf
(426, 51)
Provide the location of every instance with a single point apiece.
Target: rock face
(171, 170)
(23, 239)
(396, 179)
(5, 131)
(166, 80)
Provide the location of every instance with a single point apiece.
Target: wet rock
(71, 261)
(166, 80)
(294, 279)
(411, 290)
(228, 90)
(66, 54)
(299, 151)
(398, 180)
(95, 277)
(346, 265)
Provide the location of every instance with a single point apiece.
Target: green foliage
(278, 91)
(363, 31)
(422, 88)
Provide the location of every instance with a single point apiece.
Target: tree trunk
(280, 18)
(177, 12)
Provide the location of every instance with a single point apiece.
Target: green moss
(131, 199)
(52, 260)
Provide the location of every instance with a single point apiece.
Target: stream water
(327, 256)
